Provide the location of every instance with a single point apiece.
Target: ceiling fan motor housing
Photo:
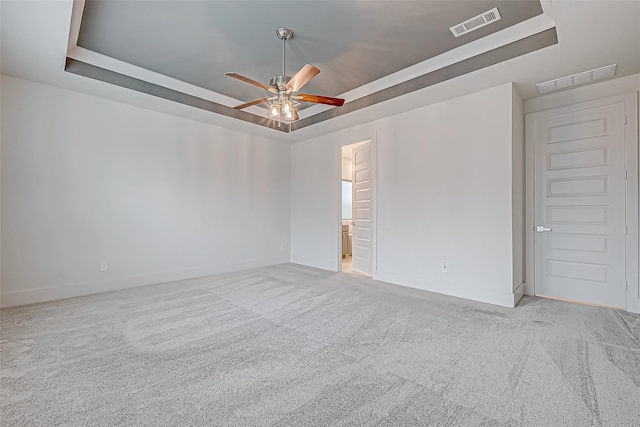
(279, 82)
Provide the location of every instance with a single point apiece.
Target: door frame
(374, 204)
(632, 296)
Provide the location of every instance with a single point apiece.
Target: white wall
(347, 169)
(518, 195)
(159, 197)
(444, 176)
(315, 204)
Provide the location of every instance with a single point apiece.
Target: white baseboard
(505, 299)
(528, 289)
(633, 307)
(519, 293)
(53, 293)
(322, 264)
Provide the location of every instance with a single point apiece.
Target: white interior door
(580, 208)
(361, 244)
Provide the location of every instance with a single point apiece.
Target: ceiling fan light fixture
(287, 107)
(274, 111)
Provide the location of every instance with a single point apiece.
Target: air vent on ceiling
(476, 22)
(577, 79)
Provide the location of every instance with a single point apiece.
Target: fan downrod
(280, 82)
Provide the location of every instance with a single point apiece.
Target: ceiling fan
(284, 89)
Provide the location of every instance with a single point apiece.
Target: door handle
(541, 229)
(353, 223)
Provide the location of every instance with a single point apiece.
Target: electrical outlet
(104, 266)
(282, 247)
(443, 267)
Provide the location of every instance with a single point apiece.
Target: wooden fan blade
(251, 81)
(302, 78)
(318, 99)
(295, 114)
(249, 104)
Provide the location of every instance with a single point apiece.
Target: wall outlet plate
(444, 267)
(104, 266)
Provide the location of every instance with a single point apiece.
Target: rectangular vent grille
(476, 22)
(577, 79)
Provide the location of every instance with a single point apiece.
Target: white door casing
(580, 204)
(362, 232)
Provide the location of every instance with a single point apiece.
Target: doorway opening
(356, 217)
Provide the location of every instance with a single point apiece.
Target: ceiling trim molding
(521, 47)
(94, 72)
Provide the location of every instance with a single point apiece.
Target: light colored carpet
(294, 346)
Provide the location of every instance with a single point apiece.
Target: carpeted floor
(294, 346)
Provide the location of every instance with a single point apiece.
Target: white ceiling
(591, 34)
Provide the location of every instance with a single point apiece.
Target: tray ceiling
(367, 51)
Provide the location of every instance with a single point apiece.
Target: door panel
(578, 158)
(574, 242)
(580, 196)
(361, 245)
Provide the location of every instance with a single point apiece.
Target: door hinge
(625, 120)
(626, 230)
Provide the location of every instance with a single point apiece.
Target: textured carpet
(294, 346)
